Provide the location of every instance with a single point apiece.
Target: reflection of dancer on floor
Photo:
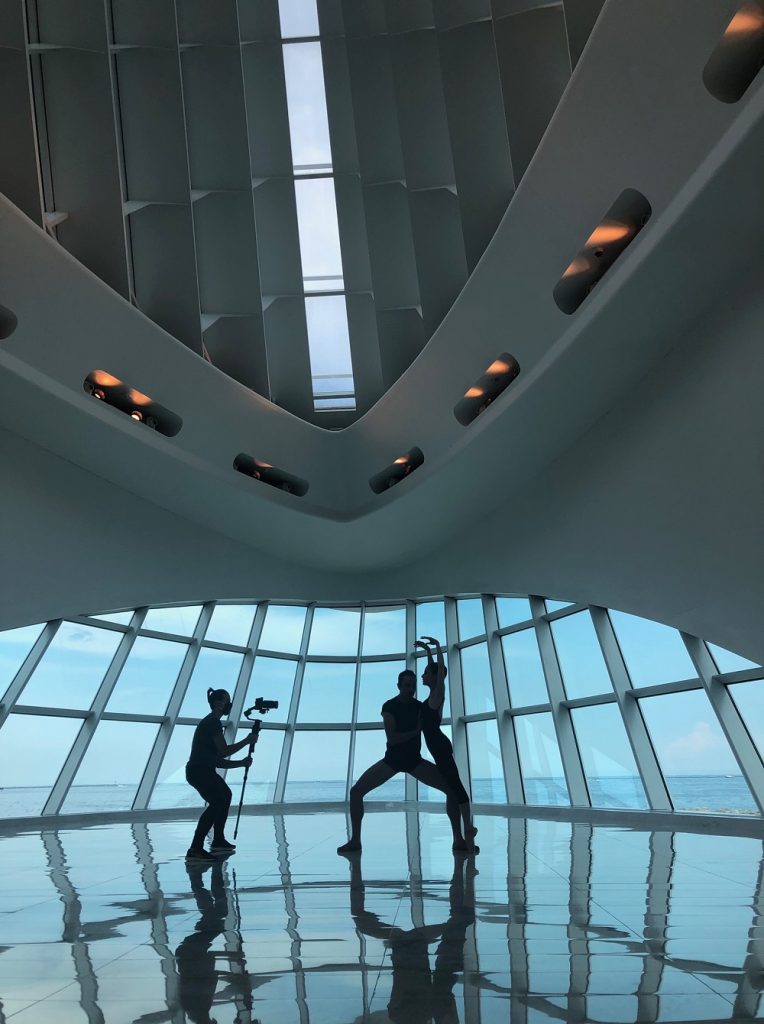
(403, 754)
(439, 745)
(419, 995)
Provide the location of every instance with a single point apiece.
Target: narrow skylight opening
(299, 18)
(319, 235)
(318, 227)
(306, 106)
(329, 346)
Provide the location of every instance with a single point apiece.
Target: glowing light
(578, 266)
(401, 460)
(608, 231)
(104, 379)
(97, 393)
(136, 414)
(748, 21)
(474, 393)
(138, 398)
(263, 465)
(499, 366)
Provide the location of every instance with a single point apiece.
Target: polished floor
(553, 921)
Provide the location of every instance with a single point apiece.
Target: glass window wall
(688, 744)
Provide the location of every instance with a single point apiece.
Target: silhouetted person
(198, 972)
(419, 995)
(403, 754)
(210, 751)
(439, 745)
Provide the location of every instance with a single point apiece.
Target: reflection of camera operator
(209, 751)
(199, 968)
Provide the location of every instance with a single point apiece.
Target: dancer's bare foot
(349, 847)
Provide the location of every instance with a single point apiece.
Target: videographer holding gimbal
(209, 751)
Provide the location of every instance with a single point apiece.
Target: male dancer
(209, 751)
(403, 754)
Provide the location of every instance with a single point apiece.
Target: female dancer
(439, 745)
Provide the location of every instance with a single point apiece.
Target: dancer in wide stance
(403, 754)
(439, 745)
(209, 751)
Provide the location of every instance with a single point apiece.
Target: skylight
(320, 252)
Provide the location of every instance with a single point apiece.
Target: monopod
(263, 707)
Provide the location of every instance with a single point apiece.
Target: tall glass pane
(181, 621)
(335, 631)
(298, 18)
(384, 631)
(511, 610)
(331, 363)
(486, 771)
(749, 700)
(700, 769)
(319, 235)
(261, 784)
(108, 777)
(33, 749)
(306, 105)
(171, 789)
(273, 679)
(583, 667)
(327, 693)
(72, 668)
(525, 674)
(653, 653)
(540, 761)
(611, 771)
(370, 748)
(379, 682)
(318, 766)
(231, 624)
(469, 614)
(431, 620)
(283, 628)
(476, 680)
(217, 670)
(727, 661)
(15, 645)
(146, 682)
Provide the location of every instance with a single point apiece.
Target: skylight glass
(319, 234)
(298, 18)
(306, 105)
(329, 345)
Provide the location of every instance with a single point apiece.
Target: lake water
(721, 794)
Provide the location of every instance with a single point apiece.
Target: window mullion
(67, 774)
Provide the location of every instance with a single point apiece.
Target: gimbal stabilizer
(262, 707)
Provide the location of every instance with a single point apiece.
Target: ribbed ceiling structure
(298, 192)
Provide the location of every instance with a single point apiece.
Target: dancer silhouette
(439, 745)
(403, 754)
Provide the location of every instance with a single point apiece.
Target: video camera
(261, 706)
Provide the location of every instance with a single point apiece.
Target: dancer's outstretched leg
(372, 778)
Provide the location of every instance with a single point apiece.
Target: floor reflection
(552, 922)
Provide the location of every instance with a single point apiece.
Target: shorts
(403, 761)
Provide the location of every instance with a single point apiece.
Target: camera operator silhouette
(402, 718)
(420, 995)
(210, 751)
